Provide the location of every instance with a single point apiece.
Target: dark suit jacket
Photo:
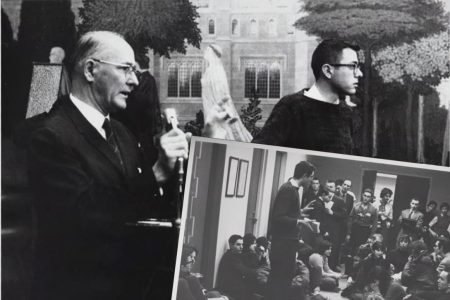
(417, 216)
(309, 196)
(83, 201)
(349, 203)
(332, 223)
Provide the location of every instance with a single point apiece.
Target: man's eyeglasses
(354, 66)
(127, 68)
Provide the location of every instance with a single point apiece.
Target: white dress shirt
(94, 117)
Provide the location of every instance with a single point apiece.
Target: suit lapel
(90, 133)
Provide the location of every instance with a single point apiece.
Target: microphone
(172, 121)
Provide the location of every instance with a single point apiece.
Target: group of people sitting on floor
(411, 271)
(362, 250)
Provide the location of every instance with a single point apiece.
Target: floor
(335, 296)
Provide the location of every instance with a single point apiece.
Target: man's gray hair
(89, 45)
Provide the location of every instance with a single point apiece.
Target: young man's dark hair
(432, 202)
(328, 52)
(323, 191)
(446, 246)
(385, 191)
(234, 238)
(186, 251)
(248, 239)
(417, 247)
(339, 182)
(303, 168)
(142, 59)
(262, 241)
(368, 191)
(404, 239)
(379, 246)
(445, 204)
(322, 246)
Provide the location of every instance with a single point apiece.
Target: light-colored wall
(353, 170)
(233, 211)
(292, 160)
(263, 205)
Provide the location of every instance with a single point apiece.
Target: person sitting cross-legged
(321, 273)
(419, 274)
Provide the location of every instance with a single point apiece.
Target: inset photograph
(264, 222)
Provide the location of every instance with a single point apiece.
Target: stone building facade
(261, 50)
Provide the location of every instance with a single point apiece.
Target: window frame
(255, 28)
(192, 64)
(272, 27)
(214, 26)
(237, 29)
(258, 64)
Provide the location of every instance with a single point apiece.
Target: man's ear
(327, 70)
(89, 70)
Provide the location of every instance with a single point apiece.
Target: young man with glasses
(318, 118)
(90, 181)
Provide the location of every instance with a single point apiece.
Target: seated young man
(419, 274)
(399, 256)
(232, 273)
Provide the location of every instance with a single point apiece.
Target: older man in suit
(89, 181)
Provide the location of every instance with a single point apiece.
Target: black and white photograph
(100, 99)
(311, 225)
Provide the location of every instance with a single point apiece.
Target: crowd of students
(370, 263)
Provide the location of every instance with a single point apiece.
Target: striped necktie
(111, 139)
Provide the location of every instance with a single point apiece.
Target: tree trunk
(366, 101)
(408, 123)
(376, 104)
(446, 146)
(420, 136)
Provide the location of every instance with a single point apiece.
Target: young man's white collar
(94, 117)
(294, 182)
(314, 93)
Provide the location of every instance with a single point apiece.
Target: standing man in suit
(347, 195)
(89, 181)
(335, 214)
(142, 115)
(285, 227)
(411, 221)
